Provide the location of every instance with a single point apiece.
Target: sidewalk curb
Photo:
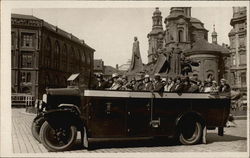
(241, 117)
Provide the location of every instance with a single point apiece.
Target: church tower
(214, 36)
(155, 37)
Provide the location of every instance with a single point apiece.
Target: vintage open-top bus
(124, 115)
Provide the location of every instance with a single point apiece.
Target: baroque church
(181, 47)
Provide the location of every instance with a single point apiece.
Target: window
(180, 36)
(233, 59)
(27, 61)
(241, 41)
(83, 57)
(25, 77)
(12, 38)
(27, 40)
(47, 53)
(64, 58)
(243, 79)
(57, 55)
(72, 57)
(242, 59)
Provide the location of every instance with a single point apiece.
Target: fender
(190, 113)
(65, 114)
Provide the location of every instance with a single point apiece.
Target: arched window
(72, 59)
(180, 36)
(83, 57)
(57, 55)
(64, 58)
(47, 81)
(47, 53)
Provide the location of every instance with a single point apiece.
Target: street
(234, 140)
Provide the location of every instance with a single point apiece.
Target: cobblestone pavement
(234, 140)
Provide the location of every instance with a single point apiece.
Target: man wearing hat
(101, 83)
(214, 88)
(116, 82)
(224, 87)
(139, 83)
(148, 86)
(125, 83)
(158, 86)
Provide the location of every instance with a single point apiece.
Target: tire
(190, 132)
(54, 139)
(36, 126)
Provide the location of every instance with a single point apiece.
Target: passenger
(169, 85)
(116, 82)
(148, 86)
(158, 86)
(164, 81)
(131, 85)
(186, 84)
(101, 83)
(214, 87)
(208, 86)
(224, 87)
(194, 88)
(125, 83)
(178, 86)
(139, 83)
(200, 85)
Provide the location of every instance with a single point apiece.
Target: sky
(110, 31)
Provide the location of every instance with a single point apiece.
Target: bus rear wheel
(190, 132)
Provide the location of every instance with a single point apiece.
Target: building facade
(44, 56)
(238, 46)
(189, 36)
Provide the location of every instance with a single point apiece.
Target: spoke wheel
(190, 132)
(36, 126)
(59, 138)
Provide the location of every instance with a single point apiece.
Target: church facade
(238, 43)
(184, 37)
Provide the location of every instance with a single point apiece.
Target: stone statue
(136, 62)
(175, 61)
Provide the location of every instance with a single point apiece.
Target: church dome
(157, 12)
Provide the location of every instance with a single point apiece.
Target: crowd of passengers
(158, 84)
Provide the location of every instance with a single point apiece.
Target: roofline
(70, 36)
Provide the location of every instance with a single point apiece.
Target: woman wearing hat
(158, 85)
(148, 86)
(224, 87)
(214, 87)
(116, 82)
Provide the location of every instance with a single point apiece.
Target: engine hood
(64, 91)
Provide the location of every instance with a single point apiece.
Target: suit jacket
(158, 87)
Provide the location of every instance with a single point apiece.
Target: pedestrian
(158, 85)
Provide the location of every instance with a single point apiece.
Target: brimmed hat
(146, 76)
(164, 79)
(99, 75)
(223, 80)
(115, 75)
(214, 81)
(124, 77)
(157, 76)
